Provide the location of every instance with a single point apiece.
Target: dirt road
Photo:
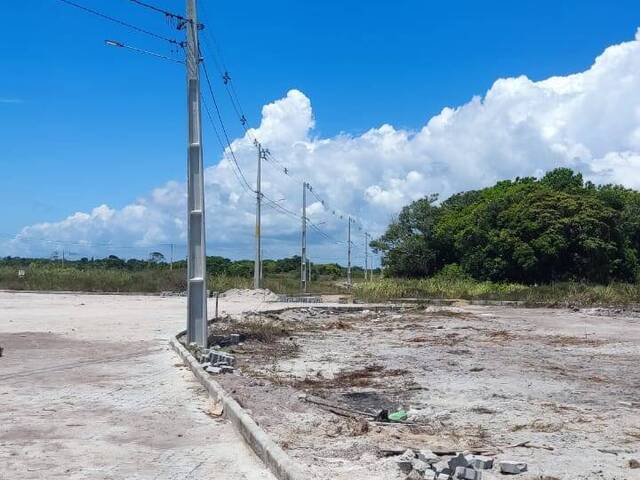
(89, 389)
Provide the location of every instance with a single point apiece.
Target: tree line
(527, 230)
(216, 265)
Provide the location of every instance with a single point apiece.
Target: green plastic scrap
(399, 416)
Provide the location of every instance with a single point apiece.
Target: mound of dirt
(239, 294)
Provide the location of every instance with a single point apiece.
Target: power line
(120, 22)
(234, 164)
(159, 10)
(224, 130)
(235, 102)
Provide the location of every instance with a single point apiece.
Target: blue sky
(82, 124)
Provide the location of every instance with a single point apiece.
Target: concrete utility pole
(196, 255)
(366, 255)
(257, 269)
(303, 259)
(171, 258)
(349, 254)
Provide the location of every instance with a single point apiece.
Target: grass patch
(556, 294)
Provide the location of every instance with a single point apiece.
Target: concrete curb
(267, 450)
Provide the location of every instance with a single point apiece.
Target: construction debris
(405, 461)
(512, 467)
(465, 473)
(479, 462)
(425, 464)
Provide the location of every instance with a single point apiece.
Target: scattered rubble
(215, 361)
(350, 367)
(405, 461)
(512, 467)
(480, 462)
(424, 464)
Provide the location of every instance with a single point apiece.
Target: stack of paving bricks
(424, 464)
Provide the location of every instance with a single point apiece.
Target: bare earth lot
(477, 378)
(89, 389)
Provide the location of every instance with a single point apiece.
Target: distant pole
(303, 259)
(366, 255)
(349, 254)
(257, 269)
(63, 257)
(171, 257)
(196, 255)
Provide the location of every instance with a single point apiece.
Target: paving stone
(428, 456)
(213, 370)
(458, 461)
(512, 467)
(442, 467)
(420, 466)
(216, 357)
(415, 475)
(464, 473)
(480, 462)
(405, 461)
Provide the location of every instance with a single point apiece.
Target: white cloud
(589, 121)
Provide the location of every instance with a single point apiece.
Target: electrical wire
(224, 130)
(120, 22)
(159, 10)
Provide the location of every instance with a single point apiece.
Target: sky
(376, 105)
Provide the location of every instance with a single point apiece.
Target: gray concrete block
(414, 475)
(430, 475)
(226, 369)
(405, 461)
(512, 467)
(442, 467)
(235, 338)
(420, 466)
(217, 356)
(428, 456)
(464, 473)
(480, 462)
(458, 461)
(214, 370)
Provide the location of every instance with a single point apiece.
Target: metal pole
(349, 254)
(196, 255)
(303, 262)
(257, 268)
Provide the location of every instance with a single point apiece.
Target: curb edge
(264, 447)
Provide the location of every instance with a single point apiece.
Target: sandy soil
(89, 389)
(483, 378)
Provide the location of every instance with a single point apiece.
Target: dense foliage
(527, 230)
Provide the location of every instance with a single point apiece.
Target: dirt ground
(89, 389)
(473, 378)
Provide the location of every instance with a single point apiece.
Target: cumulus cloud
(589, 121)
